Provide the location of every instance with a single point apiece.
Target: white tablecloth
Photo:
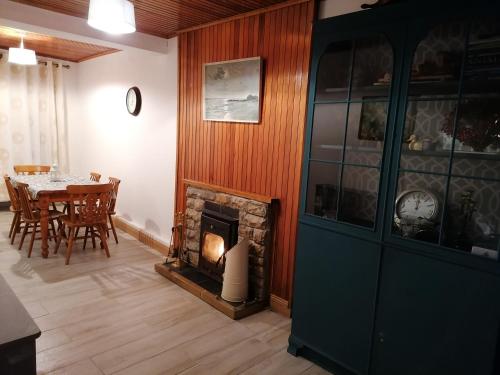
(44, 182)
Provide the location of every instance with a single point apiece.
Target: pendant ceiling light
(22, 56)
(112, 16)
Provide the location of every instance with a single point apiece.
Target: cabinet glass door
(449, 170)
(349, 129)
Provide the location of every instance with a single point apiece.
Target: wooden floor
(117, 316)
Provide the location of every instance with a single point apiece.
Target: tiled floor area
(117, 316)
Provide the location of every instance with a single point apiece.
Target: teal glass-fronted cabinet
(397, 268)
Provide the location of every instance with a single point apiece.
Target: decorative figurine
(414, 144)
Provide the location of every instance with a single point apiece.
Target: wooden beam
(221, 189)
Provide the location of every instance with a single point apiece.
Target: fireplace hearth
(216, 219)
(218, 234)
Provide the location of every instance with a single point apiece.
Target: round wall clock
(134, 101)
(417, 205)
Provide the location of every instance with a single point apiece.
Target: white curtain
(33, 117)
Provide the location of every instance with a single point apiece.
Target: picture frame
(232, 90)
(374, 116)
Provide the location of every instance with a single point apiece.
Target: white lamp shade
(112, 16)
(22, 56)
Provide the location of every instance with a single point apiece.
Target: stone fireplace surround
(255, 224)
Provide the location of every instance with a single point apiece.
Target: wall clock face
(134, 101)
(417, 205)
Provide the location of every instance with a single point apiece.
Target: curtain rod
(45, 63)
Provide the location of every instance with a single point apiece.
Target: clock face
(417, 205)
(133, 101)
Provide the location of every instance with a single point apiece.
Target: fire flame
(220, 249)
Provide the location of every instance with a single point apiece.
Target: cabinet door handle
(381, 338)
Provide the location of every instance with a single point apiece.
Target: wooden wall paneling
(260, 158)
(276, 168)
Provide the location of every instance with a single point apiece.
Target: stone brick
(256, 249)
(222, 198)
(257, 271)
(260, 294)
(192, 234)
(254, 221)
(191, 192)
(192, 245)
(207, 195)
(256, 208)
(193, 258)
(190, 202)
(245, 231)
(256, 261)
(239, 202)
(192, 214)
(257, 281)
(198, 204)
(260, 236)
(190, 224)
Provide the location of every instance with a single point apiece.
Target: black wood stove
(218, 234)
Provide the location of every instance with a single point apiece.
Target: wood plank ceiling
(164, 18)
(49, 46)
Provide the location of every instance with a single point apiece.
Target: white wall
(332, 8)
(141, 150)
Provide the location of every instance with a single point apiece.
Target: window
(449, 171)
(350, 120)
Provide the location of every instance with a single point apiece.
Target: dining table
(44, 190)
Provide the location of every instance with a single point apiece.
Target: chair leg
(113, 228)
(13, 224)
(92, 235)
(53, 227)
(59, 237)
(86, 236)
(70, 244)
(26, 227)
(16, 229)
(102, 232)
(32, 240)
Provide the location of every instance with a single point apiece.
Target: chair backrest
(31, 169)
(89, 202)
(25, 200)
(14, 198)
(94, 176)
(116, 183)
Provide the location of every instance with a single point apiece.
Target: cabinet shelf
(456, 154)
(449, 89)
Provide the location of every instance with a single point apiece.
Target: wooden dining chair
(112, 206)
(15, 208)
(111, 212)
(88, 208)
(31, 217)
(94, 176)
(31, 169)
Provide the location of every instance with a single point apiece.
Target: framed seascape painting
(232, 90)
